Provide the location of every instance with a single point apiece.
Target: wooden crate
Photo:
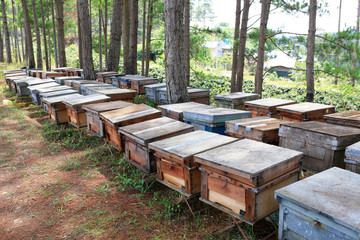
(303, 112)
(118, 94)
(137, 138)
(35, 73)
(60, 69)
(101, 76)
(56, 109)
(106, 78)
(195, 95)
(151, 93)
(9, 76)
(266, 107)
(213, 119)
(21, 86)
(176, 167)
(176, 110)
(262, 129)
(324, 206)
(52, 75)
(348, 118)
(240, 178)
(56, 94)
(89, 89)
(234, 100)
(35, 93)
(33, 88)
(11, 82)
(352, 157)
(323, 144)
(138, 84)
(123, 117)
(76, 84)
(61, 80)
(86, 89)
(94, 123)
(123, 82)
(76, 114)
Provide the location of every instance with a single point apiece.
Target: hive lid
(180, 107)
(58, 93)
(59, 99)
(352, 153)
(151, 130)
(333, 193)
(236, 97)
(269, 102)
(106, 73)
(86, 100)
(348, 116)
(115, 91)
(154, 86)
(187, 145)
(256, 162)
(106, 106)
(39, 81)
(215, 115)
(257, 123)
(68, 78)
(83, 81)
(45, 85)
(305, 107)
(54, 89)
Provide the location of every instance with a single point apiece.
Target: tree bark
(134, 23)
(54, 34)
(100, 38)
(115, 37)
(235, 46)
(311, 51)
(6, 33)
(44, 36)
(337, 55)
(187, 42)
(39, 60)
(85, 26)
(175, 51)
(106, 31)
(126, 36)
(61, 34)
(79, 36)
(242, 46)
(148, 36)
(2, 59)
(265, 8)
(143, 40)
(16, 33)
(28, 37)
(356, 46)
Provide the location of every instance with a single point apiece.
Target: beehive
(127, 95)
(234, 100)
(303, 112)
(266, 106)
(35, 92)
(240, 178)
(76, 84)
(176, 110)
(352, 157)
(86, 89)
(102, 76)
(195, 95)
(60, 80)
(348, 118)
(176, 167)
(323, 144)
(56, 94)
(138, 84)
(123, 81)
(138, 136)
(151, 93)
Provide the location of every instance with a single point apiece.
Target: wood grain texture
(238, 98)
(215, 115)
(98, 108)
(348, 118)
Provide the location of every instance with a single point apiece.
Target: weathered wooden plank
(266, 106)
(215, 115)
(176, 110)
(234, 100)
(60, 80)
(151, 93)
(348, 118)
(305, 112)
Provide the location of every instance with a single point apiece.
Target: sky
(224, 11)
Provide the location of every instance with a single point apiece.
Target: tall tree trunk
(85, 26)
(100, 38)
(79, 36)
(126, 36)
(60, 29)
(106, 31)
(235, 46)
(265, 8)
(6, 33)
(175, 51)
(12, 42)
(2, 59)
(16, 33)
(337, 55)
(28, 37)
(48, 33)
(143, 39)
(311, 52)
(242, 45)
(39, 59)
(187, 42)
(356, 46)
(44, 36)
(54, 34)
(22, 45)
(134, 23)
(115, 37)
(148, 36)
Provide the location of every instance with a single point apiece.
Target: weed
(70, 164)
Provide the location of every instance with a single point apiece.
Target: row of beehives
(238, 177)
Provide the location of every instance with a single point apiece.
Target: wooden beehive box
(12, 84)
(35, 73)
(52, 75)
(56, 108)
(124, 81)
(35, 93)
(151, 93)
(302, 112)
(234, 100)
(8, 77)
(267, 106)
(12, 71)
(93, 89)
(175, 163)
(106, 78)
(323, 206)
(94, 123)
(123, 117)
(86, 88)
(195, 95)
(60, 69)
(61, 80)
(352, 157)
(101, 75)
(56, 94)
(323, 144)
(21, 86)
(76, 114)
(34, 88)
(262, 129)
(137, 138)
(213, 119)
(176, 110)
(126, 95)
(76, 84)
(348, 118)
(138, 84)
(240, 178)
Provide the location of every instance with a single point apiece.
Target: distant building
(219, 48)
(281, 63)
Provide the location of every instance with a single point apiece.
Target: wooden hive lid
(269, 102)
(181, 107)
(86, 100)
(17, 77)
(143, 79)
(59, 99)
(44, 85)
(155, 85)
(237, 97)
(15, 74)
(350, 116)
(121, 115)
(333, 193)
(55, 88)
(106, 73)
(58, 93)
(116, 91)
(352, 152)
(149, 131)
(39, 81)
(68, 78)
(215, 115)
(127, 78)
(106, 106)
(258, 123)
(81, 81)
(305, 107)
(185, 146)
(256, 162)
(24, 79)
